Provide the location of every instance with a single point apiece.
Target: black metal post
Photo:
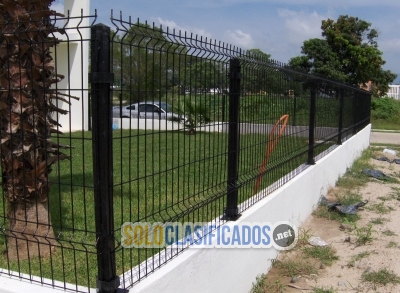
(367, 106)
(311, 129)
(101, 79)
(223, 106)
(355, 113)
(294, 110)
(231, 210)
(341, 107)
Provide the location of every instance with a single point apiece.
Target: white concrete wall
(234, 270)
(72, 59)
(156, 124)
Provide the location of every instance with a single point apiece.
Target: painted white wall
(234, 270)
(73, 62)
(17, 285)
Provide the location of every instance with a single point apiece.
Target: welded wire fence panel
(200, 132)
(170, 162)
(173, 142)
(270, 146)
(47, 232)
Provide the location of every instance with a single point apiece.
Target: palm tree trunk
(27, 72)
(31, 233)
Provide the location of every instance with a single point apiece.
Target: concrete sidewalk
(385, 137)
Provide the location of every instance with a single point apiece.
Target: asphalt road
(385, 137)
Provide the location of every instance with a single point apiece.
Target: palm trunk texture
(27, 72)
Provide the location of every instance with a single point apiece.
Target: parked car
(145, 110)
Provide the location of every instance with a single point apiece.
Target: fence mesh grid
(175, 97)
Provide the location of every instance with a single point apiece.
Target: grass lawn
(158, 176)
(389, 124)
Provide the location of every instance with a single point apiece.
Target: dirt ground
(382, 212)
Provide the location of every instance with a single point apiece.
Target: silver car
(145, 110)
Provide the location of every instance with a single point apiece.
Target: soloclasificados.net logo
(281, 235)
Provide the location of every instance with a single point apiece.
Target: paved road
(385, 137)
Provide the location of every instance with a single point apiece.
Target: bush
(385, 108)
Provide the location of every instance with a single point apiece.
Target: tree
(348, 53)
(203, 74)
(26, 110)
(263, 75)
(192, 114)
(255, 80)
(145, 61)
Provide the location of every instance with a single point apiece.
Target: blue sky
(277, 27)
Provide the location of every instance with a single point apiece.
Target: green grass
(392, 244)
(262, 286)
(324, 290)
(298, 267)
(390, 124)
(158, 176)
(379, 221)
(364, 234)
(389, 233)
(379, 208)
(381, 277)
(323, 212)
(326, 255)
(385, 114)
(354, 177)
(358, 257)
(346, 199)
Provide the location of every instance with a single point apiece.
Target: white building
(394, 92)
(72, 59)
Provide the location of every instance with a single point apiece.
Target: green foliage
(261, 75)
(326, 254)
(296, 267)
(382, 277)
(363, 234)
(348, 53)
(262, 286)
(140, 62)
(201, 75)
(385, 113)
(392, 244)
(358, 257)
(385, 108)
(324, 290)
(192, 114)
(258, 286)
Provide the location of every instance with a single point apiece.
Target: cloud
(173, 25)
(391, 45)
(240, 39)
(59, 7)
(301, 25)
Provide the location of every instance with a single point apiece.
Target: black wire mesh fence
(169, 127)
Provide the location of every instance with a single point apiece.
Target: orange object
(272, 141)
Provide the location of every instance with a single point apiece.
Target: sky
(277, 27)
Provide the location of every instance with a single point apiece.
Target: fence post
(231, 210)
(341, 106)
(368, 108)
(311, 129)
(355, 112)
(101, 79)
(294, 110)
